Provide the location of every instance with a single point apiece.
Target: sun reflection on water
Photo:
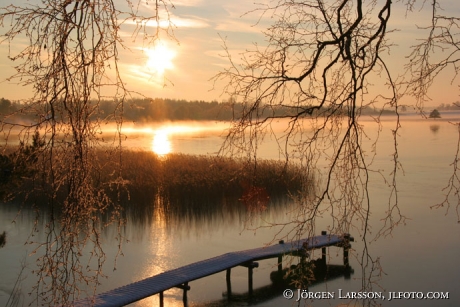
(161, 144)
(163, 255)
(161, 138)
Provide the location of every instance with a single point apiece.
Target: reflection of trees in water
(3, 239)
(198, 216)
(434, 128)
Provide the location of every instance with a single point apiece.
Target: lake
(420, 256)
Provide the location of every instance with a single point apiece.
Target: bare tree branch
(320, 58)
(438, 52)
(70, 57)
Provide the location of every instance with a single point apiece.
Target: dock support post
(250, 265)
(184, 287)
(346, 260)
(323, 250)
(229, 284)
(184, 298)
(250, 273)
(161, 299)
(280, 260)
(280, 264)
(346, 247)
(303, 267)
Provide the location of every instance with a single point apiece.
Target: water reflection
(434, 128)
(184, 217)
(181, 231)
(162, 258)
(159, 237)
(161, 144)
(165, 138)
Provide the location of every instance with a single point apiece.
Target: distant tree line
(159, 109)
(137, 110)
(449, 106)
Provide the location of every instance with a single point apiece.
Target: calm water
(420, 256)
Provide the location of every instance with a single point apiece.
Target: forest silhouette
(144, 110)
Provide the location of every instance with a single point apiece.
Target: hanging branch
(315, 72)
(68, 52)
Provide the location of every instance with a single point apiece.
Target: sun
(160, 58)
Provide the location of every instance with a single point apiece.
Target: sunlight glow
(162, 136)
(161, 144)
(160, 59)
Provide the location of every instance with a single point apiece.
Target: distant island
(435, 114)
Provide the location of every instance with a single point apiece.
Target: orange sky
(196, 57)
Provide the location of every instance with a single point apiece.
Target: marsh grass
(186, 185)
(193, 185)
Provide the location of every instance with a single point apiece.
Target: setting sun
(160, 58)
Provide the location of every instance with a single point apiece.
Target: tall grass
(198, 186)
(195, 181)
(184, 185)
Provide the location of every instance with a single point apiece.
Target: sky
(188, 62)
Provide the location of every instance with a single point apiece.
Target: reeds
(184, 185)
(197, 180)
(197, 185)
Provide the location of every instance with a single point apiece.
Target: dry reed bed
(195, 181)
(183, 184)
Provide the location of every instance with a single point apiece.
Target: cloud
(178, 3)
(190, 22)
(175, 21)
(237, 26)
(239, 9)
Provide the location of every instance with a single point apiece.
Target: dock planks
(178, 277)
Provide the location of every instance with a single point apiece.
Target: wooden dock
(180, 277)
